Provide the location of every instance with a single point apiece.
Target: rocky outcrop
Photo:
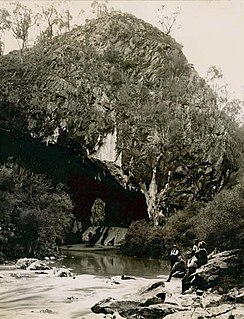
(146, 305)
(173, 305)
(121, 91)
(210, 296)
(220, 269)
(107, 236)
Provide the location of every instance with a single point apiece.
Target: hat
(202, 244)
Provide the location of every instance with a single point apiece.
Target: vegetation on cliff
(118, 72)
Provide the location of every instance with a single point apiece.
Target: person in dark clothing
(191, 268)
(199, 259)
(194, 247)
(178, 270)
(201, 254)
(173, 257)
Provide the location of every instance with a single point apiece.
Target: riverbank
(32, 294)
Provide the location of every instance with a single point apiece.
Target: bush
(34, 215)
(143, 239)
(178, 228)
(221, 222)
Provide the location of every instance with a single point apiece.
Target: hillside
(120, 78)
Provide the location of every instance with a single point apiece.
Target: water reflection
(113, 263)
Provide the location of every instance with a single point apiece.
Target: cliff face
(124, 92)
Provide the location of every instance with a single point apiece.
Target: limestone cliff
(123, 90)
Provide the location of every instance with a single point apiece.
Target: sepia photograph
(121, 159)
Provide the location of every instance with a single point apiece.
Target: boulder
(234, 295)
(24, 263)
(111, 305)
(62, 272)
(149, 304)
(132, 309)
(216, 272)
(38, 265)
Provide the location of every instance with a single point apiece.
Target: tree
(4, 26)
(65, 20)
(51, 17)
(35, 215)
(1, 47)
(20, 22)
(221, 222)
(56, 23)
(99, 7)
(168, 22)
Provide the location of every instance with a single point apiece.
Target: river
(112, 263)
(30, 295)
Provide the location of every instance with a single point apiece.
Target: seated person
(201, 254)
(200, 258)
(178, 270)
(189, 274)
(173, 257)
(195, 247)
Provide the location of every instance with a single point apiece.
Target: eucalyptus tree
(168, 22)
(99, 7)
(4, 26)
(54, 22)
(19, 21)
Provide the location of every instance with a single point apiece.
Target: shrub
(221, 222)
(143, 239)
(34, 215)
(178, 228)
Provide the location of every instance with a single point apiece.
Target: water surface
(113, 263)
(35, 295)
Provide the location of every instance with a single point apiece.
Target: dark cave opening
(86, 179)
(121, 206)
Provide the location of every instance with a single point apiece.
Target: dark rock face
(118, 76)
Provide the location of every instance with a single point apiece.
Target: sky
(211, 32)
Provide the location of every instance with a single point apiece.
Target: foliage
(19, 21)
(178, 227)
(34, 214)
(99, 7)
(55, 23)
(221, 222)
(143, 239)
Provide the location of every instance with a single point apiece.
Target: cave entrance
(102, 201)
